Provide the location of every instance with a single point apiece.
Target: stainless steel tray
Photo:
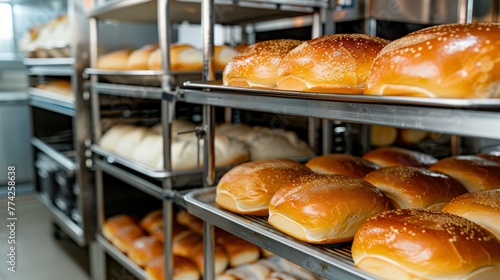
(216, 86)
(147, 78)
(329, 262)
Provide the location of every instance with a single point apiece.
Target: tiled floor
(39, 255)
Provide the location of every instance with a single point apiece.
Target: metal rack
(80, 224)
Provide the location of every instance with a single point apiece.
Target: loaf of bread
(184, 269)
(491, 155)
(152, 221)
(257, 65)
(112, 224)
(481, 207)
(125, 236)
(336, 63)
(115, 60)
(145, 249)
(412, 187)
(183, 57)
(248, 187)
(341, 164)
(139, 58)
(425, 244)
(473, 172)
(446, 61)
(323, 209)
(393, 156)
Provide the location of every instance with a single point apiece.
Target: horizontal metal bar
(54, 154)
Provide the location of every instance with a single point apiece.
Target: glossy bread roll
(152, 221)
(112, 224)
(425, 244)
(125, 236)
(116, 60)
(336, 63)
(144, 249)
(491, 155)
(412, 187)
(138, 59)
(473, 172)
(446, 61)
(248, 187)
(184, 269)
(393, 156)
(257, 65)
(323, 209)
(481, 207)
(341, 164)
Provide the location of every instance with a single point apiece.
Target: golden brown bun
(183, 57)
(184, 241)
(393, 156)
(341, 164)
(58, 86)
(473, 172)
(184, 269)
(492, 155)
(152, 221)
(336, 63)
(112, 224)
(248, 187)
(425, 244)
(324, 209)
(411, 136)
(125, 236)
(222, 56)
(116, 60)
(221, 260)
(193, 223)
(412, 187)
(257, 65)
(239, 251)
(481, 207)
(144, 249)
(446, 61)
(382, 135)
(138, 59)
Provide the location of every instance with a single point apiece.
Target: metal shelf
(57, 156)
(454, 116)
(329, 262)
(53, 101)
(63, 221)
(127, 90)
(228, 11)
(121, 258)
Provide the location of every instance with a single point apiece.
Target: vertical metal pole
(207, 23)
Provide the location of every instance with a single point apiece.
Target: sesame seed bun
(425, 244)
(445, 61)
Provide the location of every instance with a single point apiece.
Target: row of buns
(183, 57)
(425, 63)
(233, 144)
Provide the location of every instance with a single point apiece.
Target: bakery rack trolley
(464, 117)
(61, 142)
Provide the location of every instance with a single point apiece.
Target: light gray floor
(39, 255)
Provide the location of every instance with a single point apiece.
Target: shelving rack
(79, 224)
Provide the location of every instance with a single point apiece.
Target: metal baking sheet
(216, 86)
(331, 262)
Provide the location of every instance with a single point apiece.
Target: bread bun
(138, 59)
(446, 61)
(193, 223)
(481, 207)
(491, 155)
(184, 241)
(221, 261)
(341, 164)
(336, 63)
(411, 136)
(412, 187)
(116, 60)
(152, 221)
(393, 156)
(112, 224)
(184, 269)
(425, 244)
(125, 236)
(382, 135)
(222, 56)
(473, 172)
(248, 187)
(257, 65)
(239, 251)
(144, 249)
(325, 209)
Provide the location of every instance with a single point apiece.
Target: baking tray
(148, 78)
(331, 262)
(216, 86)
